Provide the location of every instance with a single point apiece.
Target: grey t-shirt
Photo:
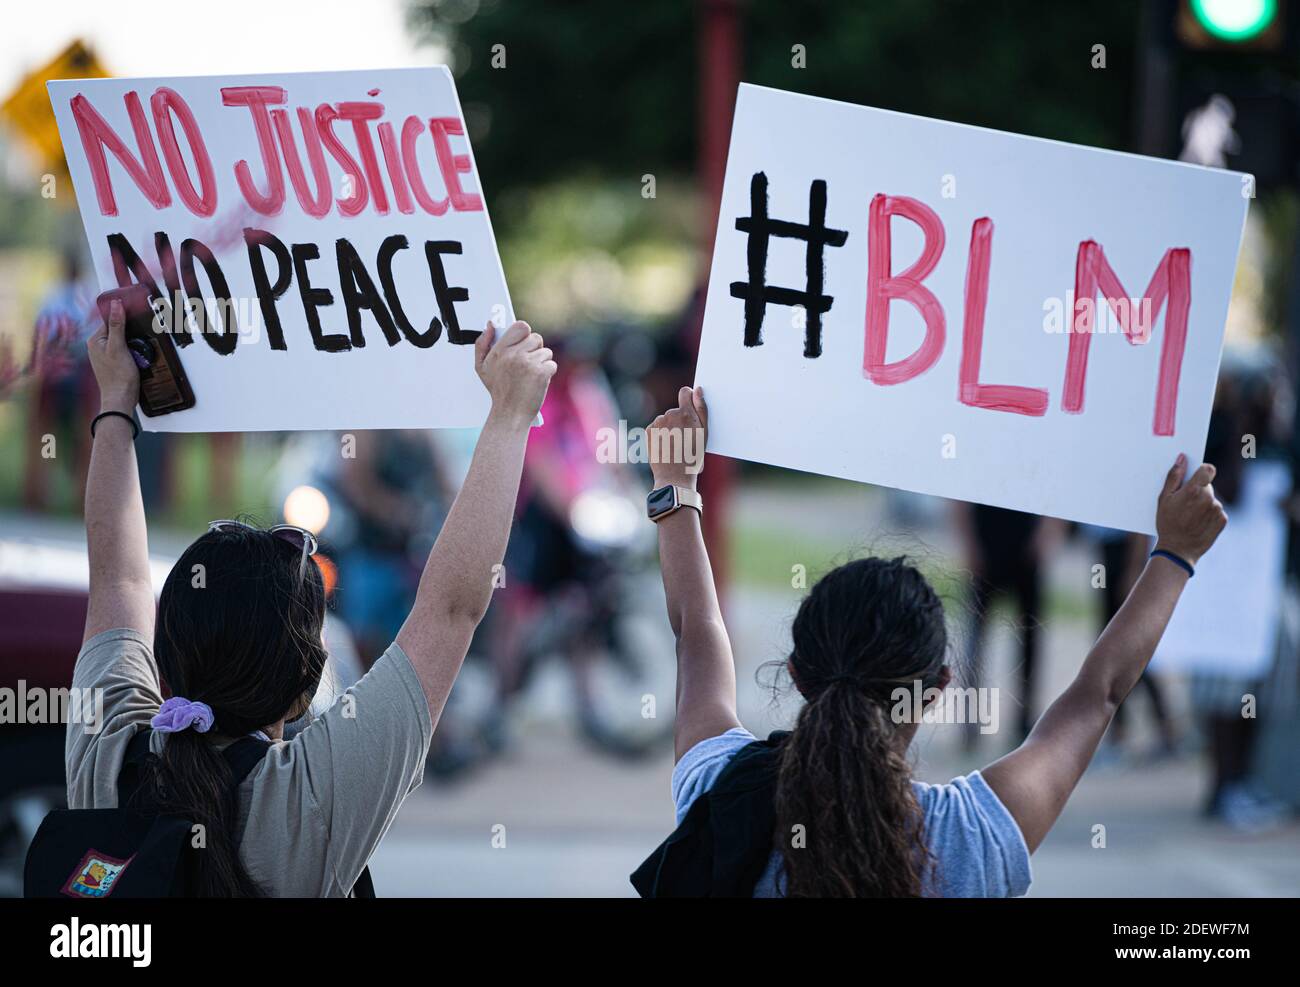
(978, 848)
(313, 811)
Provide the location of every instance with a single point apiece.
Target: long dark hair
(865, 630)
(239, 628)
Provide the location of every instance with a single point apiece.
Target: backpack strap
(365, 886)
(242, 756)
(247, 753)
(130, 774)
(725, 840)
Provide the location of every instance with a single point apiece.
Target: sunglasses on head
(300, 538)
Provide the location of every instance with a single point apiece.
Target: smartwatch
(662, 501)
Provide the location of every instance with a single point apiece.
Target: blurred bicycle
(589, 606)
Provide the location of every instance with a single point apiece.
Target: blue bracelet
(1182, 563)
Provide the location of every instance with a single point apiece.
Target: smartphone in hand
(164, 388)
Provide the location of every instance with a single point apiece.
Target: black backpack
(130, 852)
(725, 841)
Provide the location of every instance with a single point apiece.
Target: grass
(763, 557)
(194, 500)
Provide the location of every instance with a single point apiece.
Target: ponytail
(848, 822)
(192, 780)
(845, 783)
(246, 646)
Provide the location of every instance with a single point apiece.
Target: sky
(148, 38)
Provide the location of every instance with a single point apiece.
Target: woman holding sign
(830, 809)
(237, 639)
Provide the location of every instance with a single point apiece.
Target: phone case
(164, 386)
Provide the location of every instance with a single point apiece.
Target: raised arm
(456, 586)
(706, 671)
(1035, 780)
(121, 593)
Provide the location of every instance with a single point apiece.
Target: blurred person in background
(1243, 406)
(574, 590)
(546, 559)
(395, 491)
(64, 396)
(1123, 554)
(830, 809)
(63, 392)
(1006, 553)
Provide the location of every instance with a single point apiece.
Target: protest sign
(914, 303)
(317, 243)
(1227, 619)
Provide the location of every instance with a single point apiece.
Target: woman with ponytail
(237, 639)
(830, 809)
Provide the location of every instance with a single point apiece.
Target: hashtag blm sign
(757, 293)
(938, 358)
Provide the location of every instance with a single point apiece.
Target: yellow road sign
(28, 108)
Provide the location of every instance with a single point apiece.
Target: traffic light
(1224, 25)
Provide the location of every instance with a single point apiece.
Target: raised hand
(115, 370)
(1188, 515)
(516, 371)
(677, 438)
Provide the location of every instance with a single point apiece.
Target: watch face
(660, 501)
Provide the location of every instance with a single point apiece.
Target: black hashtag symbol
(757, 293)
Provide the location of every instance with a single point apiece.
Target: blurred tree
(610, 88)
(25, 217)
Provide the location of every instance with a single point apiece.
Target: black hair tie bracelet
(1177, 560)
(135, 428)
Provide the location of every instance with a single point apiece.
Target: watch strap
(686, 497)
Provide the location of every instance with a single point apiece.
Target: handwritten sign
(317, 243)
(962, 312)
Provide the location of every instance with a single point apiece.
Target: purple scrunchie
(178, 714)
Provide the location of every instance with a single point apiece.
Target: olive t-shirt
(315, 809)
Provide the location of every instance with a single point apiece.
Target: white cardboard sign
(893, 300)
(339, 213)
(1228, 616)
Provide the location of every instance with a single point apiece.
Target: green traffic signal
(1235, 20)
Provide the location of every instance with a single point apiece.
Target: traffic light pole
(1155, 109)
(719, 68)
